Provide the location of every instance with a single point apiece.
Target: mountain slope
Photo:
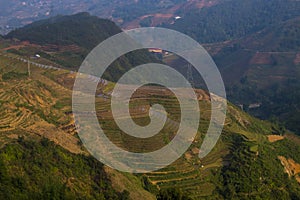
(81, 29)
(252, 159)
(40, 106)
(35, 113)
(156, 12)
(264, 68)
(42, 170)
(233, 19)
(261, 71)
(67, 40)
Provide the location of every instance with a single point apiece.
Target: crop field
(34, 105)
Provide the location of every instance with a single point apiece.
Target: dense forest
(257, 175)
(43, 170)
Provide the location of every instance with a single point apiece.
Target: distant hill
(261, 71)
(67, 40)
(280, 37)
(81, 29)
(265, 68)
(156, 12)
(126, 13)
(234, 19)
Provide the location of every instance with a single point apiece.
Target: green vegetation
(172, 194)
(243, 164)
(257, 175)
(146, 22)
(143, 7)
(42, 170)
(264, 68)
(81, 29)
(13, 75)
(67, 40)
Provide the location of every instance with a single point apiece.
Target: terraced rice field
(32, 102)
(41, 105)
(189, 172)
(48, 91)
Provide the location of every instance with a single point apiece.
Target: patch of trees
(42, 170)
(172, 194)
(258, 176)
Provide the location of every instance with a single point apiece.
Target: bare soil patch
(297, 59)
(290, 167)
(261, 59)
(275, 138)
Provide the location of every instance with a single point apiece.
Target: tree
(172, 194)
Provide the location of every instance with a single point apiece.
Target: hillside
(42, 170)
(39, 106)
(67, 40)
(35, 114)
(264, 68)
(233, 19)
(156, 12)
(41, 155)
(261, 72)
(81, 29)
